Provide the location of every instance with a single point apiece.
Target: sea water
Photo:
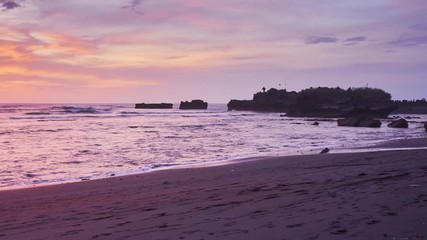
(49, 143)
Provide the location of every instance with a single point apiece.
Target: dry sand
(375, 195)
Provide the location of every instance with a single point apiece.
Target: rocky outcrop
(411, 107)
(273, 100)
(359, 122)
(154, 105)
(400, 123)
(320, 102)
(194, 104)
(243, 105)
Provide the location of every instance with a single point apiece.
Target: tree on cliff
(364, 97)
(355, 97)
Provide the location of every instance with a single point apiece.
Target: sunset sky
(172, 50)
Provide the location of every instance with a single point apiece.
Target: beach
(363, 195)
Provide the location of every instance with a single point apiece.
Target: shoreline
(386, 145)
(368, 195)
(141, 143)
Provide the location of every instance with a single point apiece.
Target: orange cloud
(28, 72)
(25, 47)
(153, 56)
(55, 43)
(18, 76)
(13, 51)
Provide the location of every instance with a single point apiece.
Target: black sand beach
(373, 195)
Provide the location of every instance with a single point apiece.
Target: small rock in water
(316, 123)
(359, 122)
(29, 175)
(326, 150)
(400, 123)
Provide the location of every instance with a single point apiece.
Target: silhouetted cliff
(320, 102)
(273, 100)
(418, 106)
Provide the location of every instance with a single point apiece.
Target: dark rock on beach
(325, 150)
(359, 122)
(194, 104)
(154, 105)
(400, 123)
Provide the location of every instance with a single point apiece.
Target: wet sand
(373, 195)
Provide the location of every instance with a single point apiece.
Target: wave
(162, 165)
(81, 109)
(63, 113)
(37, 113)
(7, 109)
(193, 126)
(36, 117)
(130, 113)
(91, 110)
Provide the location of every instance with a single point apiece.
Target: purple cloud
(319, 39)
(356, 39)
(418, 27)
(409, 41)
(8, 5)
(133, 4)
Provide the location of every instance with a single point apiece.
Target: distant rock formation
(154, 105)
(194, 104)
(272, 100)
(400, 123)
(359, 122)
(320, 102)
(418, 106)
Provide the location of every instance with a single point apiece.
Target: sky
(127, 51)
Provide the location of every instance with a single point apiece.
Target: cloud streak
(320, 39)
(408, 41)
(356, 39)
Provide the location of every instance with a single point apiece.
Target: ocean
(54, 143)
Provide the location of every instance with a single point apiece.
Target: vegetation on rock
(320, 102)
